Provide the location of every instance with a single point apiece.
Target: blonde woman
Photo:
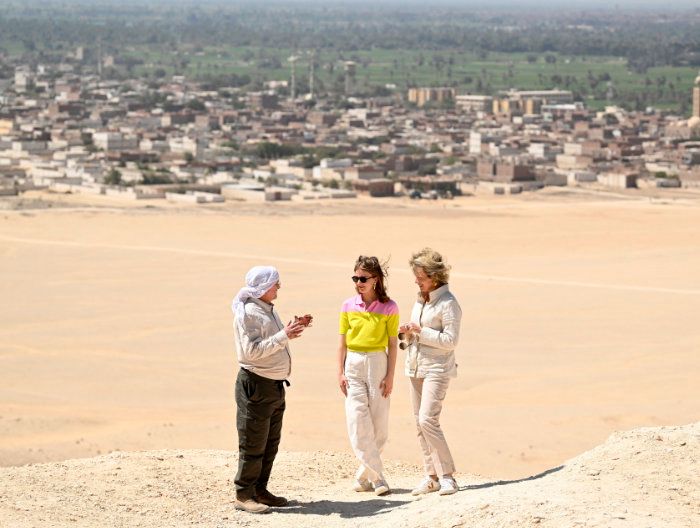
(430, 339)
(369, 326)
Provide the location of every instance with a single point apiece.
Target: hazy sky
(574, 5)
(577, 4)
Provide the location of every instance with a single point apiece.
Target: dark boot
(265, 497)
(250, 505)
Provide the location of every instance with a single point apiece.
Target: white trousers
(427, 395)
(367, 411)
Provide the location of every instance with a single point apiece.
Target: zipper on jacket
(286, 348)
(420, 323)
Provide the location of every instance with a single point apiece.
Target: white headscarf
(258, 280)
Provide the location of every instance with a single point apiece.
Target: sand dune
(580, 318)
(644, 478)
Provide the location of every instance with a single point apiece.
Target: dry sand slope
(580, 318)
(641, 478)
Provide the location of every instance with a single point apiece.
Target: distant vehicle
(415, 194)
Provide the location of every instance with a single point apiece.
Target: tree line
(645, 38)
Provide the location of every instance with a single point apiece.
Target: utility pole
(350, 71)
(293, 60)
(99, 58)
(312, 66)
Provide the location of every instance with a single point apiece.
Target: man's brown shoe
(251, 506)
(265, 497)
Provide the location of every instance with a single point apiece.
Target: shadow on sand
(506, 482)
(366, 508)
(346, 509)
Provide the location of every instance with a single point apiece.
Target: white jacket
(261, 342)
(433, 350)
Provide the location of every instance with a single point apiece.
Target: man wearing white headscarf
(263, 355)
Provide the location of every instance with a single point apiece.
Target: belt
(367, 351)
(279, 383)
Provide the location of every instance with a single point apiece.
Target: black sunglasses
(357, 279)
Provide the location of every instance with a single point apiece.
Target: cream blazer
(433, 350)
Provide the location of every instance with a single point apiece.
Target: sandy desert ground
(646, 478)
(580, 319)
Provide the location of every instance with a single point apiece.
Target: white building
(325, 173)
(30, 147)
(474, 143)
(573, 149)
(541, 151)
(114, 141)
(23, 80)
(474, 103)
(185, 145)
(333, 163)
(618, 180)
(151, 145)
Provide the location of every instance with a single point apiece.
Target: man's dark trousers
(261, 406)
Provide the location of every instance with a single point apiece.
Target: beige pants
(367, 411)
(427, 395)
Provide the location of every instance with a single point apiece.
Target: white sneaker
(448, 486)
(427, 485)
(381, 487)
(362, 485)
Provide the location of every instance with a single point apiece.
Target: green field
(627, 55)
(599, 81)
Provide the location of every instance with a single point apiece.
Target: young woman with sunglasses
(369, 323)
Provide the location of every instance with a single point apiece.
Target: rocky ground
(642, 478)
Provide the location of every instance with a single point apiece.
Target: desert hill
(646, 477)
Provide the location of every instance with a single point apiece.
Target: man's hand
(294, 329)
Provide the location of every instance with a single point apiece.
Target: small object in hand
(404, 340)
(305, 320)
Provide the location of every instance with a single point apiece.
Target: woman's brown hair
(372, 266)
